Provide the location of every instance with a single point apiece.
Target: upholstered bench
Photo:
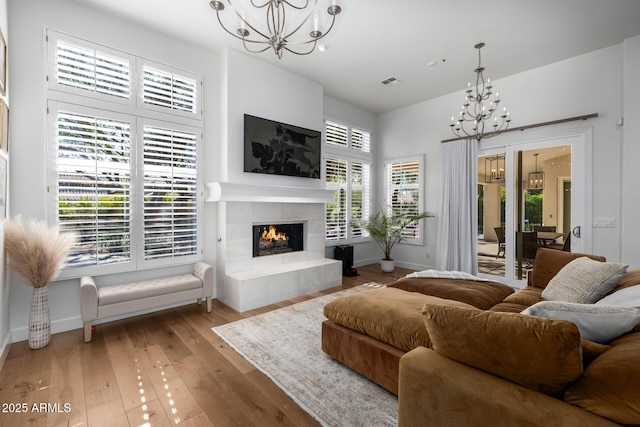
(114, 300)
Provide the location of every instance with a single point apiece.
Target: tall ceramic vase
(39, 319)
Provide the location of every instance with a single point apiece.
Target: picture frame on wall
(4, 126)
(3, 65)
(4, 167)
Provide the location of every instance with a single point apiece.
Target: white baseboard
(412, 266)
(4, 350)
(57, 326)
(409, 265)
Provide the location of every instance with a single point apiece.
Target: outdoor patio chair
(501, 242)
(529, 246)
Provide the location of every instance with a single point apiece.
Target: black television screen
(277, 148)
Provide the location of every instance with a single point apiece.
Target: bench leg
(199, 301)
(87, 331)
(209, 304)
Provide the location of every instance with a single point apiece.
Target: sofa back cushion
(550, 261)
(609, 386)
(541, 354)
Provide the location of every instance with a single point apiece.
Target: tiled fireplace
(246, 281)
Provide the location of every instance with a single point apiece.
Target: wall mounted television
(276, 148)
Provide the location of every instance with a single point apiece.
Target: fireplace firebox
(272, 239)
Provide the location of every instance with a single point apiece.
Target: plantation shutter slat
(170, 202)
(93, 192)
(336, 211)
(93, 71)
(403, 193)
(168, 90)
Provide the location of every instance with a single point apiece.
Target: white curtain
(458, 218)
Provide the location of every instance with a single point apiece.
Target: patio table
(547, 237)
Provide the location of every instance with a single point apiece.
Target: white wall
(28, 117)
(5, 323)
(630, 201)
(260, 89)
(589, 83)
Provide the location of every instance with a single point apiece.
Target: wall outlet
(604, 222)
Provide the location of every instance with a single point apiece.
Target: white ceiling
(376, 39)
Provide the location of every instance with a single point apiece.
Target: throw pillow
(599, 323)
(626, 297)
(584, 281)
(632, 278)
(541, 354)
(549, 262)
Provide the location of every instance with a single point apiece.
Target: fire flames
(273, 234)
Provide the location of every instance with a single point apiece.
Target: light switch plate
(604, 222)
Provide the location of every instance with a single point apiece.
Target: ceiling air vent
(390, 81)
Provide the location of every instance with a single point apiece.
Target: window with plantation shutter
(94, 182)
(360, 196)
(360, 140)
(348, 172)
(404, 193)
(170, 193)
(336, 134)
(124, 166)
(336, 211)
(93, 70)
(166, 89)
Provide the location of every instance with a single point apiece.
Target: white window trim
(350, 155)
(78, 100)
(139, 66)
(51, 40)
(421, 192)
(138, 229)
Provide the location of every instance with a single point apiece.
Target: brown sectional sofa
(426, 341)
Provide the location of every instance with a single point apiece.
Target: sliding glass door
(530, 195)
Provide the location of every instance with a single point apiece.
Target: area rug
(285, 344)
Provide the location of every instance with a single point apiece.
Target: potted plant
(37, 254)
(385, 227)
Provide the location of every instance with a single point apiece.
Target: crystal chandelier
(475, 110)
(274, 31)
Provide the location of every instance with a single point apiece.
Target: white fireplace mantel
(235, 192)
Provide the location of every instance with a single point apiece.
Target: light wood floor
(161, 369)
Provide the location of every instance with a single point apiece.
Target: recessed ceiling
(375, 39)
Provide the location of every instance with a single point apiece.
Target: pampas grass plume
(36, 253)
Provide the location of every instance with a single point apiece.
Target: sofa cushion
(609, 386)
(591, 350)
(598, 323)
(390, 315)
(482, 294)
(147, 288)
(541, 354)
(527, 296)
(550, 261)
(584, 281)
